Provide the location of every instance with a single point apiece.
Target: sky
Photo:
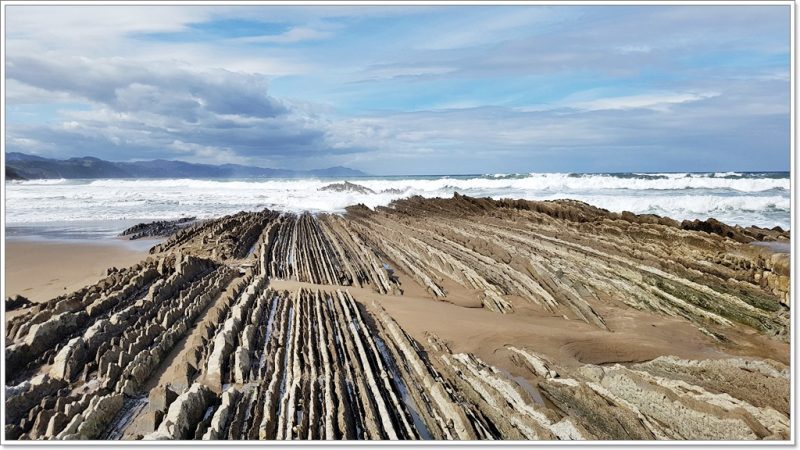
(405, 89)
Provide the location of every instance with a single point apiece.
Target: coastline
(743, 199)
(460, 223)
(562, 285)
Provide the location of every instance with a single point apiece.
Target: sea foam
(737, 198)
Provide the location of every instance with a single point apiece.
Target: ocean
(109, 205)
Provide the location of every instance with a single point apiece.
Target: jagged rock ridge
(197, 342)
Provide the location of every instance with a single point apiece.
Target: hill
(23, 166)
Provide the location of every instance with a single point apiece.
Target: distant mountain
(14, 156)
(23, 166)
(337, 171)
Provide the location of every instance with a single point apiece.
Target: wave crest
(744, 199)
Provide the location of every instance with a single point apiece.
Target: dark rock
(737, 233)
(347, 187)
(12, 175)
(17, 302)
(13, 432)
(160, 228)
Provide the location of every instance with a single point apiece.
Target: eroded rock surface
(159, 228)
(197, 342)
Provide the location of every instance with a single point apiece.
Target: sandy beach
(41, 270)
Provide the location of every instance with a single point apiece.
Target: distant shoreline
(782, 173)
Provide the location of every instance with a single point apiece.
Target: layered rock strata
(197, 342)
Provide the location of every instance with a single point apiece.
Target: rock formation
(373, 325)
(17, 302)
(159, 228)
(347, 187)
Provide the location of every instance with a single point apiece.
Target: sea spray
(761, 199)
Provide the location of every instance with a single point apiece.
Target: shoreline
(70, 231)
(743, 201)
(41, 269)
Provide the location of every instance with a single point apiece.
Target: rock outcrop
(159, 228)
(17, 302)
(198, 341)
(347, 187)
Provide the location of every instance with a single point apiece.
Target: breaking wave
(761, 199)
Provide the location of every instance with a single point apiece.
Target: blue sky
(405, 89)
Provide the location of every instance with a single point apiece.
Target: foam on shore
(740, 199)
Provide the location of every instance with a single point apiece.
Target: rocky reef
(456, 318)
(159, 228)
(347, 187)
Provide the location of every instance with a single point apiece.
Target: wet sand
(41, 270)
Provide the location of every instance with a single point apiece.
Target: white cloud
(293, 35)
(208, 97)
(387, 72)
(634, 49)
(483, 27)
(18, 93)
(80, 22)
(207, 153)
(658, 101)
(112, 31)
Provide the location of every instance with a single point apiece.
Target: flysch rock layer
(196, 342)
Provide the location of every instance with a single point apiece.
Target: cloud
(19, 93)
(742, 120)
(165, 89)
(634, 49)
(210, 115)
(98, 32)
(393, 71)
(81, 22)
(474, 26)
(659, 101)
(208, 153)
(404, 89)
(292, 36)
(606, 41)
